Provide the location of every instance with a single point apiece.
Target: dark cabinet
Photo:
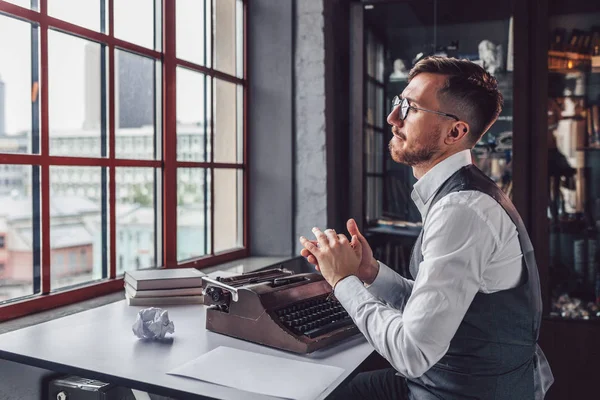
(544, 151)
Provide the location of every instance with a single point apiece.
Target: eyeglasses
(405, 107)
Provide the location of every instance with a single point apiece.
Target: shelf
(564, 71)
(572, 96)
(569, 55)
(591, 321)
(588, 149)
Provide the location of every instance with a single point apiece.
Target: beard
(412, 156)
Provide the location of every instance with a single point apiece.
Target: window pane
(74, 95)
(193, 31)
(370, 150)
(239, 44)
(380, 112)
(371, 111)
(379, 149)
(76, 222)
(16, 88)
(134, 21)
(379, 192)
(240, 123)
(22, 3)
(371, 199)
(228, 209)
(368, 200)
(193, 213)
(136, 216)
(193, 90)
(371, 54)
(17, 243)
(225, 36)
(84, 13)
(379, 62)
(135, 106)
(226, 122)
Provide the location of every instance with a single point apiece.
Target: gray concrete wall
(271, 132)
(288, 167)
(311, 156)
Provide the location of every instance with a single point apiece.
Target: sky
(66, 64)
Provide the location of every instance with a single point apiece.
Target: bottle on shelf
(595, 47)
(592, 249)
(595, 270)
(594, 126)
(580, 256)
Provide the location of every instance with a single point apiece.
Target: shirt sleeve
(456, 244)
(391, 287)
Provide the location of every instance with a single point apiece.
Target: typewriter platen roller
(277, 308)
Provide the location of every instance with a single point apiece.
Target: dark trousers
(382, 384)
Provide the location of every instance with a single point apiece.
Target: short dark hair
(471, 91)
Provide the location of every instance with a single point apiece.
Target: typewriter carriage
(252, 307)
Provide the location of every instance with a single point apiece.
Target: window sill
(238, 266)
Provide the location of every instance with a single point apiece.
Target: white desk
(99, 344)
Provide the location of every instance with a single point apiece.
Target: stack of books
(155, 287)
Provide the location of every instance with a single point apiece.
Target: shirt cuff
(384, 276)
(351, 293)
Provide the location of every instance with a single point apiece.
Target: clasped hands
(337, 258)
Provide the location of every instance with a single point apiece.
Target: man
(466, 327)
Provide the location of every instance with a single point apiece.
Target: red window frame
(168, 165)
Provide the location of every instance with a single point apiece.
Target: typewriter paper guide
(260, 373)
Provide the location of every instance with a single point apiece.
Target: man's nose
(394, 117)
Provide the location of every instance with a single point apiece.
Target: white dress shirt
(469, 245)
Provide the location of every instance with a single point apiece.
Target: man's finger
(304, 252)
(321, 238)
(343, 239)
(357, 247)
(353, 229)
(332, 236)
(309, 256)
(308, 245)
(311, 259)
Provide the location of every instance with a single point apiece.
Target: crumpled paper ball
(152, 323)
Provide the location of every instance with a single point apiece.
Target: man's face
(418, 139)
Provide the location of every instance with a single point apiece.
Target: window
(72, 261)
(375, 129)
(90, 97)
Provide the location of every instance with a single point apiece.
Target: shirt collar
(427, 186)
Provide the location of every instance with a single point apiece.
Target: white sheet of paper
(260, 373)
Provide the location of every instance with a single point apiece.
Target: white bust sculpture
(490, 56)
(400, 72)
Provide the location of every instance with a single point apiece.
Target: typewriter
(277, 308)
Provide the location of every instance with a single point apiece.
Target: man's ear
(459, 130)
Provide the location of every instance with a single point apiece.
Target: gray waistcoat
(492, 354)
